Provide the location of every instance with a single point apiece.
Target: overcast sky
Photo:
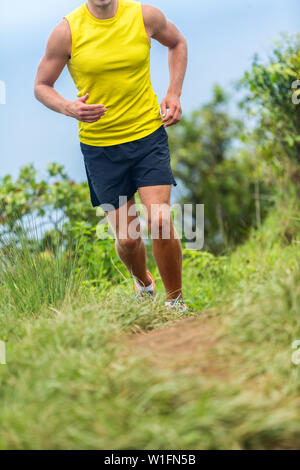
(223, 36)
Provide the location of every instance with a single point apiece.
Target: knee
(159, 226)
(129, 244)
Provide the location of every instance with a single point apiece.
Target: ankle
(146, 281)
(172, 297)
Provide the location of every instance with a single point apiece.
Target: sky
(223, 36)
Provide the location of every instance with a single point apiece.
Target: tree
(56, 203)
(273, 99)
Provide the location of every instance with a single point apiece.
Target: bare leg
(131, 251)
(167, 251)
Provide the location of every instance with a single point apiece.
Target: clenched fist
(171, 103)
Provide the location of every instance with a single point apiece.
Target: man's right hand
(85, 112)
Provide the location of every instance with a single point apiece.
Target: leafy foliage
(55, 200)
(272, 101)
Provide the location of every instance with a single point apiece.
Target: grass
(71, 383)
(29, 279)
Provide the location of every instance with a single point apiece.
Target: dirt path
(188, 344)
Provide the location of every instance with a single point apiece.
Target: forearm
(177, 66)
(51, 98)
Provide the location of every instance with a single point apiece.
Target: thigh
(156, 203)
(155, 195)
(125, 221)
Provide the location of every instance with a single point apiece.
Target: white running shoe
(177, 304)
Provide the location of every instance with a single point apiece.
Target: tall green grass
(30, 278)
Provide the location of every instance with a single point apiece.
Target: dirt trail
(188, 344)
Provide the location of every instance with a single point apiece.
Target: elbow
(36, 89)
(184, 43)
(181, 44)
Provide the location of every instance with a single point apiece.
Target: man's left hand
(172, 104)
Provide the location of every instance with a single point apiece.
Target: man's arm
(158, 27)
(51, 66)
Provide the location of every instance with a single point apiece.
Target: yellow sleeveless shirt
(110, 60)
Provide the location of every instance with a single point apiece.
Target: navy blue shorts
(119, 170)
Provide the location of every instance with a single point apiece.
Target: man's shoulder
(152, 15)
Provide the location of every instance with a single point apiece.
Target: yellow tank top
(110, 60)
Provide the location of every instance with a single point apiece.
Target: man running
(106, 46)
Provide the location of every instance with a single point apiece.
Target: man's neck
(103, 12)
